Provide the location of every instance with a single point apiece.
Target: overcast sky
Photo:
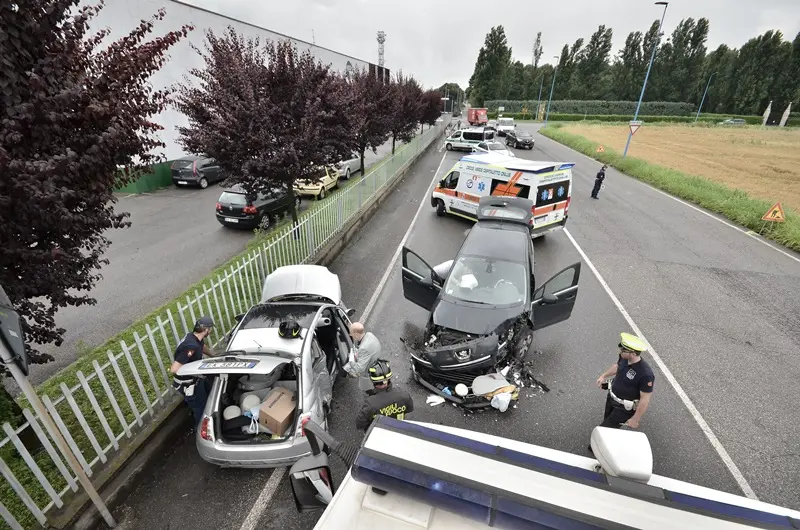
(438, 41)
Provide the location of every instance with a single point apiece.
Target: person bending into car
(367, 350)
(192, 347)
(384, 400)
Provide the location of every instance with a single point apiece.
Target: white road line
(261, 504)
(712, 438)
(388, 272)
(748, 233)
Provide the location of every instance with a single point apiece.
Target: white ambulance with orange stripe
(547, 184)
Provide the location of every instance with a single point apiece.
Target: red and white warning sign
(634, 125)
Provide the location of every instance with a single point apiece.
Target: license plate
(229, 364)
(231, 220)
(181, 182)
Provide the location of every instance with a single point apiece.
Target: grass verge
(732, 203)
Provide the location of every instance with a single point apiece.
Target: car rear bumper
(263, 456)
(189, 181)
(251, 221)
(539, 232)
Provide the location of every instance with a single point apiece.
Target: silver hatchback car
(258, 360)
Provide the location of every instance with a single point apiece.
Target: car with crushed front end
(299, 370)
(484, 304)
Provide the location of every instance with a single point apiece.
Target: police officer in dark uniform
(632, 387)
(598, 181)
(383, 400)
(192, 347)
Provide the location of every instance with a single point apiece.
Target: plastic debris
(505, 370)
(434, 400)
(501, 401)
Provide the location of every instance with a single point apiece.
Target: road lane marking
(747, 232)
(388, 272)
(712, 438)
(262, 502)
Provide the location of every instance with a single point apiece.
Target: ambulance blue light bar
(504, 488)
(565, 166)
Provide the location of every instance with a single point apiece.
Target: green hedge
(595, 107)
(751, 120)
(734, 204)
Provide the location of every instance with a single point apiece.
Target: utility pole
(552, 87)
(647, 75)
(704, 96)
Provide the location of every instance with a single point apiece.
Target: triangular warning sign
(601, 149)
(775, 214)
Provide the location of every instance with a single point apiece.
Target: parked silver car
(349, 167)
(257, 361)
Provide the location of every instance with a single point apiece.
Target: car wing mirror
(350, 312)
(549, 299)
(312, 483)
(324, 321)
(239, 317)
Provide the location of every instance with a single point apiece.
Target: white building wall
(120, 16)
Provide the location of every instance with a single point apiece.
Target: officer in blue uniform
(192, 347)
(632, 387)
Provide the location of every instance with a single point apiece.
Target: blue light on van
(565, 166)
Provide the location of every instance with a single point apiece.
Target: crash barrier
(115, 407)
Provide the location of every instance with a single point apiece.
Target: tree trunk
(393, 138)
(361, 156)
(293, 212)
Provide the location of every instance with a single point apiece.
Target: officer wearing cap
(598, 181)
(632, 387)
(192, 348)
(383, 400)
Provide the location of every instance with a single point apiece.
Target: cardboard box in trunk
(277, 410)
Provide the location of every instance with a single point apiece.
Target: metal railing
(109, 403)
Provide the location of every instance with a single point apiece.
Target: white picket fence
(104, 410)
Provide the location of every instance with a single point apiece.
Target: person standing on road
(367, 350)
(192, 348)
(384, 400)
(598, 181)
(632, 387)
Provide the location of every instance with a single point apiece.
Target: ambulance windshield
(482, 280)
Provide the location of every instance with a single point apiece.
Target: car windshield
(505, 121)
(487, 281)
(524, 134)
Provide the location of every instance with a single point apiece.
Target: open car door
(421, 284)
(554, 300)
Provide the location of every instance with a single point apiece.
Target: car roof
(192, 157)
(309, 280)
(502, 241)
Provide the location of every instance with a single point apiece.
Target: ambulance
(547, 184)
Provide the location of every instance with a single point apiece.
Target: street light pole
(552, 87)
(704, 96)
(647, 75)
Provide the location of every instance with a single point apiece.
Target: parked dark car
(484, 305)
(236, 209)
(195, 171)
(519, 139)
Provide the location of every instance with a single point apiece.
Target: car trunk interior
(240, 393)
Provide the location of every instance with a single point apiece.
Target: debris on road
(434, 400)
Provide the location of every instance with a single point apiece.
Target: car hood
(471, 318)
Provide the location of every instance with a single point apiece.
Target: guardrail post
(360, 200)
(310, 238)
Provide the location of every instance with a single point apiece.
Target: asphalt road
(719, 307)
(173, 242)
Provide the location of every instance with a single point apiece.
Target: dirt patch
(763, 162)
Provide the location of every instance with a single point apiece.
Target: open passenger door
(421, 284)
(554, 300)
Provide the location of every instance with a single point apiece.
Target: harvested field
(765, 163)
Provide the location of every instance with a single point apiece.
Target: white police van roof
(441, 477)
(302, 280)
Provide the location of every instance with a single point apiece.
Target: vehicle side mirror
(549, 299)
(324, 321)
(312, 483)
(350, 312)
(239, 317)
(427, 282)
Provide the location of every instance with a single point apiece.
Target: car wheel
(322, 193)
(347, 174)
(265, 222)
(523, 343)
(440, 209)
(203, 183)
(449, 147)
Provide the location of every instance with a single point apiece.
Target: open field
(765, 163)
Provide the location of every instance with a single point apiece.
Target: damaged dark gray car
(484, 305)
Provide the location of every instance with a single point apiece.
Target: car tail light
(194, 168)
(301, 424)
(250, 209)
(219, 206)
(207, 429)
(567, 206)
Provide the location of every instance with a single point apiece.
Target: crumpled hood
(471, 318)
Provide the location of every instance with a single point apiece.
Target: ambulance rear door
(553, 192)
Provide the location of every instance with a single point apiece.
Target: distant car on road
(492, 147)
(733, 121)
(235, 209)
(258, 362)
(195, 171)
(520, 139)
(328, 179)
(349, 166)
(505, 125)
